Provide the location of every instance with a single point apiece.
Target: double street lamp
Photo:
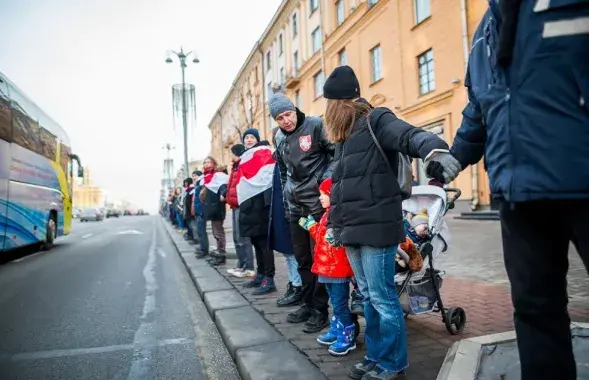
(182, 57)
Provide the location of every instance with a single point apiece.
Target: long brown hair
(340, 116)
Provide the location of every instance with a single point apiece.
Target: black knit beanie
(238, 149)
(341, 84)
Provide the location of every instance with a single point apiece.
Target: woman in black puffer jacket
(366, 215)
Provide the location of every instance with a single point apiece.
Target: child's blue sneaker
(330, 336)
(346, 341)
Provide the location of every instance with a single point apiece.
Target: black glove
(435, 170)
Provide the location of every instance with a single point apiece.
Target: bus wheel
(50, 238)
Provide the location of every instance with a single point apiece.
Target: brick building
(409, 55)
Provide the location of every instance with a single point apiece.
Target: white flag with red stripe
(254, 173)
(213, 181)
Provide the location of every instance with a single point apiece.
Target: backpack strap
(369, 124)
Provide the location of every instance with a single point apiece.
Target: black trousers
(264, 256)
(314, 294)
(536, 238)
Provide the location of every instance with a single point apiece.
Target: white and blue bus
(36, 173)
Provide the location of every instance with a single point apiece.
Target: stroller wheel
(455, 320)
(357, 327)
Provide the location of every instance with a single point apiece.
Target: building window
(427, 82)
(372, 2)
(270, 90)
(376, 63)
(295, 26)
(282, 77)
(295, 64)
(268, 60)
(342, 57)
(280, 46)
(318, 81)
(422, 10)
(298, 99)
(340, 11)
(316, 40)
(313, 5)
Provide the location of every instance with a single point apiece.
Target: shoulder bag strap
(377, 143)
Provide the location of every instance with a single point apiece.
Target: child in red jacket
(332, 268)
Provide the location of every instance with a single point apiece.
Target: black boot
(212, 257)
(201, 254)
(302, 314)
(218, 260)
(289, 290)
(294, 298)
(316, 323)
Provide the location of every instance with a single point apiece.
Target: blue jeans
(243, 245)
(293, 270)
(201, 228)
(339, 295)
(385, 335)
(179, 220)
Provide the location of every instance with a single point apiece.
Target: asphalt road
(110, 301)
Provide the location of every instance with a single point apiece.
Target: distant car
(91, 214)
(113, 213)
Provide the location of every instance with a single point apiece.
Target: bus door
(5, 136)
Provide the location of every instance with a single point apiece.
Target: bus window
(48, 144)
(5, 113)
(65, 159)
(25, 131)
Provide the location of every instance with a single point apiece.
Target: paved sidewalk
(475, 280)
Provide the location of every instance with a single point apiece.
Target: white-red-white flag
(254, 173)
(213, 181)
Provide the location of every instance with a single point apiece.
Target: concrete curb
(258, 349)
(463, 360)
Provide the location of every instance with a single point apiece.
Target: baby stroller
(419, 292)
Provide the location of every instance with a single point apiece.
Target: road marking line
(87, 236)
(35, 355)
(27, 257)
(145, 334)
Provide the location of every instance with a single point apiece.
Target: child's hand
(329, 238)
(307, 223)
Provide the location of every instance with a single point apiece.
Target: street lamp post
(182, 56)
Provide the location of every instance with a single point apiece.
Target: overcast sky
(98, 68)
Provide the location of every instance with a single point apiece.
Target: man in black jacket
(304, 156)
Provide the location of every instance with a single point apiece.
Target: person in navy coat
(528, 116)
(280, 241)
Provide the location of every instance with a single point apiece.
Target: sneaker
(266, 287)
(295, 297)
(233, 271)
(218, 260)
(246, 273)
(212, 256)
(286, 294)
(302, 314)
(330, 337)
(379, 373)
(358, 370)
(316, 323)
(346, 340)
(256, 282)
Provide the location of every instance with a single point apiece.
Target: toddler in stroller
(418, 282)
(419, 290)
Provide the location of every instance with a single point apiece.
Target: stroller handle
(456, 194)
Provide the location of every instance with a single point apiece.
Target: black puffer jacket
(304, 158)
(365, 196)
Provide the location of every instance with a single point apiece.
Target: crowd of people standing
(325, 196)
